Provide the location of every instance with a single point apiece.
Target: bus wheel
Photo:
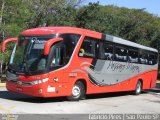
(138, 88)
(78, 92)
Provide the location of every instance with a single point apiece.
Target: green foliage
(63, 17)
(5, 56)
(15, 16)
(133, 24)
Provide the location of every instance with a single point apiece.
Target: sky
(151, 6)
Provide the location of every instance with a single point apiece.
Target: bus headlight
(40, 81)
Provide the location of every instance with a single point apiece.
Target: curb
(2, 84)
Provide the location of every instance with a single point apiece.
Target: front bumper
(40, 90)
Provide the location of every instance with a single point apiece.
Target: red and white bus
(73, 62)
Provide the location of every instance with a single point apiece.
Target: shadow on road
(118, 94)
(107, 95)
(24, 98)
(156, 90)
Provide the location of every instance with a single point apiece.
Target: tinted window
(58, 57)
(107, 51)
(120, 53)
(70, 41)
(152, 58)
(133, 55)
(143, 57)
(88, 48)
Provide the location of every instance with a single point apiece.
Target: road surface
(147, 102)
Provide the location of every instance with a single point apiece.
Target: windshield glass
(28, 54)
(28, 58)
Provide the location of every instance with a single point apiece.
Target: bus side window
(120, 54)
(108, 51)
(58, 57)
(152, 58)
(70, 41)
(143, 57)
(133, 56)
(88, 48)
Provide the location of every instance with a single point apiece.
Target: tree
(18, 15)
(48, 11)
(1, 18)
(132, 24)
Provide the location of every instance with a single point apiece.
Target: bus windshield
(28, 55)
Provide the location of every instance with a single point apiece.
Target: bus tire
(138, 88)
(78, 92)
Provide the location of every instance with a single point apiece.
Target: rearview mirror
(49, 43)
(7, 41)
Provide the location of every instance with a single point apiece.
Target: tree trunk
(2, 9)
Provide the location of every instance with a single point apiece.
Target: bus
(74, 62)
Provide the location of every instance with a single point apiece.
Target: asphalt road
(147, 102)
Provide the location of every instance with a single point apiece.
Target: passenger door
(56, 62)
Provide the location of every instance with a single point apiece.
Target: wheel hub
(76, 91)
(139, 88)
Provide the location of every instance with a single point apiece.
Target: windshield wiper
(15, 71)
(20, 73)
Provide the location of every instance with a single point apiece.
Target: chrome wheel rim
(76, 91)
(139, 88)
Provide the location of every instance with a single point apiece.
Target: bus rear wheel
(78, 92)
(138, 88)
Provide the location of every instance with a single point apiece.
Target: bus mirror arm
(7, 41)
(49, 43)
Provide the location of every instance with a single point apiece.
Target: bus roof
(127, 42)
(74, 30)
(55, 30)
